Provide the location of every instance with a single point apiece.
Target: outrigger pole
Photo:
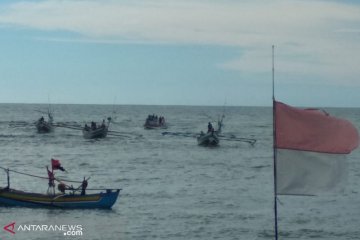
(274, 145)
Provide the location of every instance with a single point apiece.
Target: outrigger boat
(12, 197)
(77, 198)
(43, 126)
(155, 122)
(211, 138)
(96, 132)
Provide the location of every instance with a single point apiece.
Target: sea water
(171, 187)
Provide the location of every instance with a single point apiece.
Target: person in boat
(86, 128)
(62, 187)
(161, 121)
(51, 183)
(84, 185)
(210, 127)
(93, 125)
(103, 124)
(41, 119)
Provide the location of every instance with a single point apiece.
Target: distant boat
(96, 132)
(155, 122)
(43, 126)
(211, 138)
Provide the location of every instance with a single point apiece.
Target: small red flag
(55, 164)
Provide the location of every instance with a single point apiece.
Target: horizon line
(134, 104)
(166, 105)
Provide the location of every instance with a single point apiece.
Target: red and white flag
(310, 150)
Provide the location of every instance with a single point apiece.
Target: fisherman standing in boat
(51, 188)
(84, 185)
(210, 127)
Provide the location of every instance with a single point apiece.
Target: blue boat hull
(71, 201)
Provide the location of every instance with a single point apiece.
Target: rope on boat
(65, 180)
(61, 180)
(47, 178)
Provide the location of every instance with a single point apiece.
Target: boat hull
(209, 139)
(71, 201)
(155, 126)
(44, 127)
(97, 133)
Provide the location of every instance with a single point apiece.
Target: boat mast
(274, 144)
(8, 178)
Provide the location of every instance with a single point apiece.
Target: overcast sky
(184, 52)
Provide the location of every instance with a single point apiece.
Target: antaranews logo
(10, 228)
(66, 229)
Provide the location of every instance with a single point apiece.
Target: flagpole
(274, 144)
(273, 73)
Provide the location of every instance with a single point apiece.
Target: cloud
(312, 37)
(242, 23)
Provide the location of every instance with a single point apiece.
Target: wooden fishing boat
(154, 122)
(68, 196)
(211, 138)
(43, 126)
(12, 197)
(96, 132)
